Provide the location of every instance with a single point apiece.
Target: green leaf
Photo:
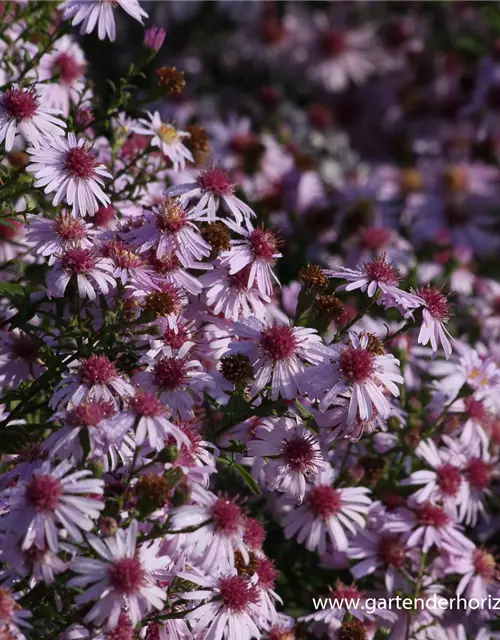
(246, 476)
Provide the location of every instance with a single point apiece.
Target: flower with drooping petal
(89, 13)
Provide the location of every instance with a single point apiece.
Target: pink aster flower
(66, 63)
(52, 496)
(426, 524)
(19, 358)
(129, 267)
(359, 371)
(212, 186)
(90, 416)
(149, 417)
(167, 138)
(123, 576)
(231, 296)
(169, 269)
(231, 608)
(219, 529)
(68, 167)
(480, 470)
(21, 113)
(39, 564)
(374, 276)
(434, 314)
(179, 380)
(479, 570)
(51, 237)
(277, 353)
(93, 274)
(288, 453)
(96, 378)
(326, 513)
(259, 252)
(172, 229)
(90, 13)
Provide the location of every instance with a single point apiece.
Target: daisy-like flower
(277, 354)
(170, 227)
(52, 496)
(50, 238)
(446, 482)
(128, 266)
(169, 269)
(123, 576)
(479, 569)
(95, 377)
(167, 138)
(426, 524)
(212, 186)
(19, 358)
(259, 251)
(179, 380)
(360, 369)
(21, 113)
(89, 13)
(435, 314)
(219, 529)
(93, 274)
(288, 453)
(325, 514)
(91, 416)
(68, 167)
(148, 415)
(232, 611)
(344, 56)
(65, 62)
(374, 276)
(40, 564)
(231, 296)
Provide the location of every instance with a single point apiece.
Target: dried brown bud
(375, 345)
(353, 630)
(330, 306)
(312, 277)
(246, 569)
(217, 235)
(236, 368)
(153, 488)
(198, 140)
(171, 79)
(373, 468)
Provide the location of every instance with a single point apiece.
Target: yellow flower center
(168, 134)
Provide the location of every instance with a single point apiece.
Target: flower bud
(154, 38)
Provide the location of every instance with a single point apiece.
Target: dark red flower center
(171, 373)
(227, 516)
(263, 244)
(69, 228)
(436, 303)
(356, 364)
(145, 403)
(334, 43)
(238, 593)
(67, 67)
(479, 474)
(299, 454)
(324, 501)
(430, 515)
(80, 163)
(449, 479)
(98, 370)
(381, 271)
(127, 575)
(21, 104)
(216, 182)
(279, 342)
(79, 260)
(43, 492)
(392, 551)
(485, 564)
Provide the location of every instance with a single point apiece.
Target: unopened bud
(154, 38)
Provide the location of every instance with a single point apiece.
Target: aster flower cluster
(241, 368)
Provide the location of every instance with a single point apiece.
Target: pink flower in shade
(39, 564)
(150, 418)
(21, 113)
(169, 269)
(13, 619)
(231, 296)
(154, 38)
(231, 608)
(434, 315)
(335, 425)
(481, 468)
(446, 482)
(212, 186)
(52, 496)
(359, 371)
(89, 13)
(377, 550)
(66, 64)
(426, 524)
(219, 529)
(92, 378)
(171, 229)
(51, 237)
(288, 454)
(259, 252)
(374, 276)
(19, 358)
(91, 416)
(93, 274)
(479, 569)
(179, 380)
(277, 354)
(129, 267)
(68, 167)
(326, 513)
(123, 576)
(267, 575)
